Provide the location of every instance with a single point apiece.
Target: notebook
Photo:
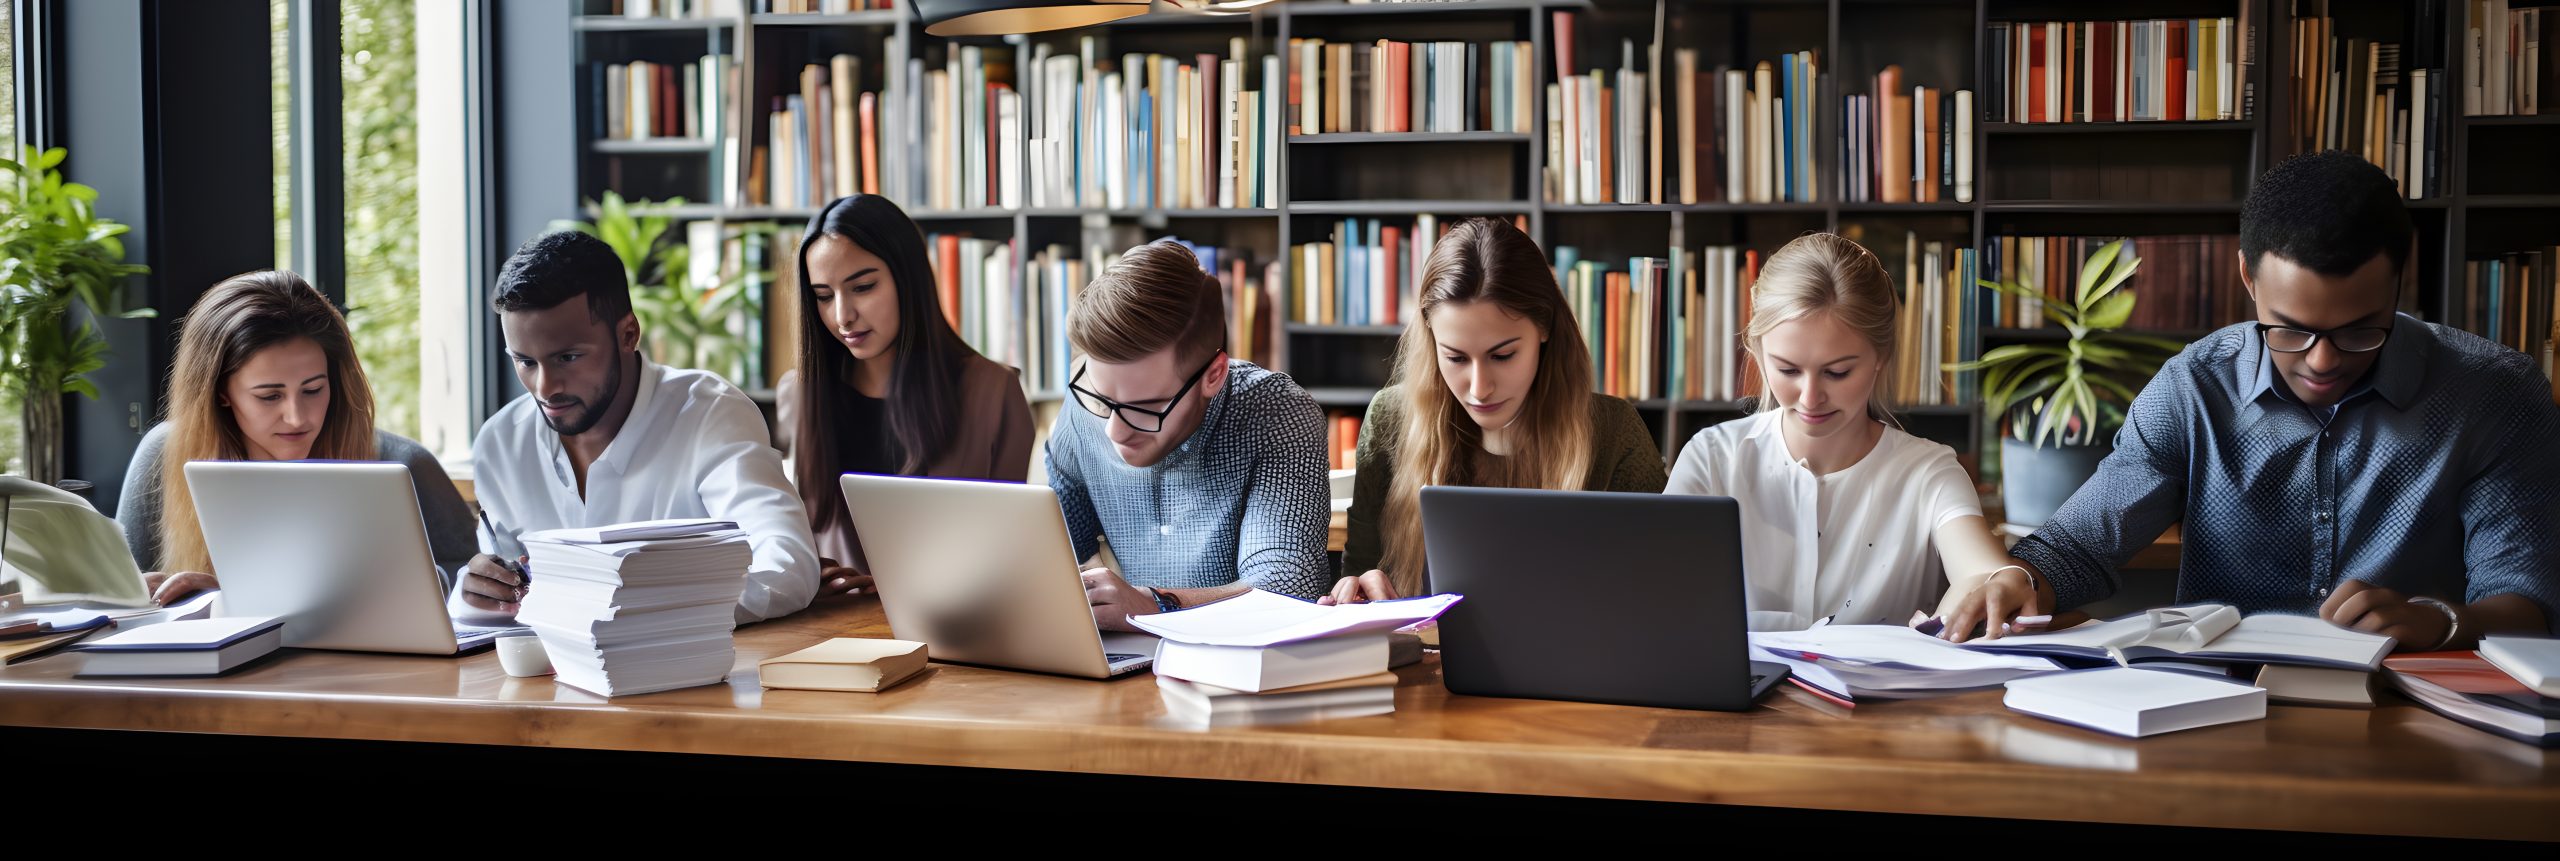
(2533, 661)
(2204, 632)
(2135, 702)
(195, 647)
(2470, 690)
(858, 664)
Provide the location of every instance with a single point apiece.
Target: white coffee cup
(521, 655)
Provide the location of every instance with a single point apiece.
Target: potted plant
(2061, 403)
(707, 326)
(56, 254)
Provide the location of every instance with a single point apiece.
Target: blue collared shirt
(2439, 476)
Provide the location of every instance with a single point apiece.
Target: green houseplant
(56, 255)
(708, 326)
(2070, 395)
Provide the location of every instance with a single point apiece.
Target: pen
(524, 577)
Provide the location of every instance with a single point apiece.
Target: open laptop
(338, 549)
(982, 572)
(1626, 598)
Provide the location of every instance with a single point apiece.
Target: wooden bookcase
(2502, 190)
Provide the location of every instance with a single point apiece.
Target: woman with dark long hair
(1492, 388)
(884, 385)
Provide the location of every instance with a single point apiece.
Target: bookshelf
(2129, 178)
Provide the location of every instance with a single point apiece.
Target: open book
(2204, 632)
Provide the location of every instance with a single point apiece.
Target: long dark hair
(924, 378)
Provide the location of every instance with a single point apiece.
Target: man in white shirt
(606, 436)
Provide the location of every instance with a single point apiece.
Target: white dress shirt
(1858, 543)
(694, 446)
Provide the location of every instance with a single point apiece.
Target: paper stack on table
(631, 617)
(1306, 661)
(1847, 662)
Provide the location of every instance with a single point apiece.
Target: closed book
(2135, 702)
(2471, 691)
(198, 647)
(845, 664)
(2532, 661)
(1211, 705)
(2327, 686)
(1264, 668)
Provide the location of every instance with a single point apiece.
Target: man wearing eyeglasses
(2334, 457)
(1206, 473)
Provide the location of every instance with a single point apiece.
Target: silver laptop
(337, 549)
(982, 573)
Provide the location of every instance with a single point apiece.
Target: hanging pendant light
(1006, 17)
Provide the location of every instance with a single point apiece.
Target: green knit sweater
(1625, 456)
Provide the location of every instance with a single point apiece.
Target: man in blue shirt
(2335, 457)
(1205, 472)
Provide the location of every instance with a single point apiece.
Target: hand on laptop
(1372, 586)
(1114, 600)
(837, 582)
(492, 586)
(166, 587)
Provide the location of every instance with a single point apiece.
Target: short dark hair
(2327, 211)
(558, 266)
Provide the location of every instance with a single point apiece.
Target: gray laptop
(1626, 598)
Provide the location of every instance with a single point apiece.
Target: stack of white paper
(1888, 661)
(1259, 641)
(631, 617)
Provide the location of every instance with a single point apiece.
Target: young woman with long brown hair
(1492, 388)
(265, 371)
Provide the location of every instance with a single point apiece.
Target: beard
(591, 407)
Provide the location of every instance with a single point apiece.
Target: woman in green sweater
(1492, 389)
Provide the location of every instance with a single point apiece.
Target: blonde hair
(1484, 260)
(236, 319)
(1153, 297)
(1826, 273)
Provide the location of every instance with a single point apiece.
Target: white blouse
(1858, 543)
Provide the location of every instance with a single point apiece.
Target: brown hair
(1153, 297)
(236, 319)
(1828, 273)
(1486, 260)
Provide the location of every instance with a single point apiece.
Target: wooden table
(2391, 770)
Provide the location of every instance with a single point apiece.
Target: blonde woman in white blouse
(1843, 514)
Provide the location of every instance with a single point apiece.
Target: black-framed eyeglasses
(2352, 339)
(1140, 418)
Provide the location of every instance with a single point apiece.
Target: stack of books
(1938, 299)
(1846, 663)
(2120, 71)
(1908, 144)
(1051, 279)
(2506, 72)
(1390, 86)
(2507, 687)
(2381, 100)
(2185, 282)
(1264, 658)
(822, 141)
(638, 607)
(1153, 132)
(660, 101)
(1660, 133)
(2509, 299)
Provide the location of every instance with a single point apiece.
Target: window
(12, 441)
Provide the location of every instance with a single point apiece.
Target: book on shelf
(980, 297)
(2380, 100)
(2509, 299)
(819, 7)
(661, 101)
(1391, 86)
(2174, 69)
(1710, 309)
(1342, 438)
(2185, 282)
(1730, 134)
(1153, 131)
(966, 129)
(1364, 272)
(1907, 144)
(2505, 69)
(822, 141)
(672, 9)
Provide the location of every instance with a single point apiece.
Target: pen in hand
(524, 573)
